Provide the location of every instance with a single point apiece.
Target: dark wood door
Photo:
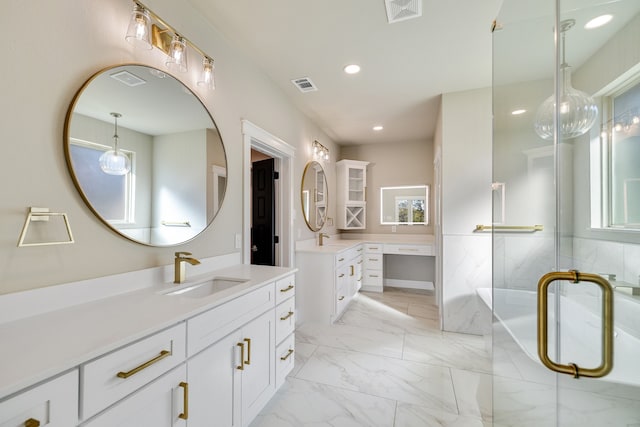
(263, 239)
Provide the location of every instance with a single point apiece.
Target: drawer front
(372, 278)
(373, 261)
(341, 259)
(343, 296)
(373, 248)
(117, 374)
(402, 249)
(285, 288)
(285, 319)
(285, 359)
(52, 404)
(207, 328)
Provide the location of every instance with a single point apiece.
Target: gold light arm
(162, 355)
(607, 324)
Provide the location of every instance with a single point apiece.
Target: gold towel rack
(176, 223)
(43, 214)
(531, 228)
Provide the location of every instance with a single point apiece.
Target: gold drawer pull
(341, 275)
(287, 316)
(360, 250)
(248, 341)
(185, 401)
(360, 262)
(31, 422)
(374, 248)
(145, 365)
(289, 353)
(241, 367)
(341, 259)
(287, 289)
(341, 298)
(373, 259)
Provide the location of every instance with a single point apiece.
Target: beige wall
(68, 41)
(393, 164)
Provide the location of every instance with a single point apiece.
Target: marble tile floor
(384, 363)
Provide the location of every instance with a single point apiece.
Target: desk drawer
(285, 359)
(373, 248)
(285, 288)
(115, 375)
(372, 278)
(373, 261)
(405, 249)
(285, 319)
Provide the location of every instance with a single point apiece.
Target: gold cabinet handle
(286, 356)
(287, 289)
(32, 422)
(360, 250)
(185, 401)
(241, 366)
(360, 262)
(341, 259)
(248, 341)
(341, 298)
(341, 275)
(162, 355)
(607, 324)
(289, 314)
(353, 271)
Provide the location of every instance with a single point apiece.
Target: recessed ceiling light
(518, 112)
(352, 69)
(598, 22)
(378, 128)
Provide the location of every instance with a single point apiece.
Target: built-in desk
(330, 275)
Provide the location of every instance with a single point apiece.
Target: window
(111, 195)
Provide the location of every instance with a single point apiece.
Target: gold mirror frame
(171, 231)
(314, 201)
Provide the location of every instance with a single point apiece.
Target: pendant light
(114, 162)
(577, 112)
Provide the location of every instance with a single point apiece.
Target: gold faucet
(181, 258)
(322, 236)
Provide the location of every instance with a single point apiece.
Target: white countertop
(36, 348)
(338, 243)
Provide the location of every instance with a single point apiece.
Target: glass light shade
(177, 58)
(114, 162)
(139, 31)
(207, 79)
(578, 112)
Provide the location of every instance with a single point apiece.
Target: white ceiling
(405, 65)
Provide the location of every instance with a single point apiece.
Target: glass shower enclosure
(566, 213)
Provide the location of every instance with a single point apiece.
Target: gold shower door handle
(607, 324)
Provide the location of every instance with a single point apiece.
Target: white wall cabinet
(53, 404)
(351, 184)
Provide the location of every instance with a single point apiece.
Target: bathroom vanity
(152, 356)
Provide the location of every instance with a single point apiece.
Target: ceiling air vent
(127, 78)
(400, 10)
(304, 84)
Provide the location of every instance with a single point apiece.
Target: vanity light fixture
(145, 25)
(320, 152)
(139, 30)
(114, 162)
(207, 79)
(577, 110)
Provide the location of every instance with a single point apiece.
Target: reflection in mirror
(178, 169)
(406, 205)
(314, 196)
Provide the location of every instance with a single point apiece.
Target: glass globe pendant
(114, 162)
(577, 111)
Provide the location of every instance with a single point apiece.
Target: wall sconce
(320, 152)
(145, 34)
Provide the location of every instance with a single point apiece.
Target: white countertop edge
(40, 347)
(341, 242)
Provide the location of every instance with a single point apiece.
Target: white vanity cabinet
(327, 282)
(351, 183)
(53, 404)
(373, 267)
(162, 403)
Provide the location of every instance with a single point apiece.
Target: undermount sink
(208, 287)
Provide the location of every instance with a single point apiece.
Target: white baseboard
(409, 284)
(371, 288)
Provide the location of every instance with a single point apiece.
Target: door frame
(256, 138)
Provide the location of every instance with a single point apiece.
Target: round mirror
(145, 155)
(314, 196)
